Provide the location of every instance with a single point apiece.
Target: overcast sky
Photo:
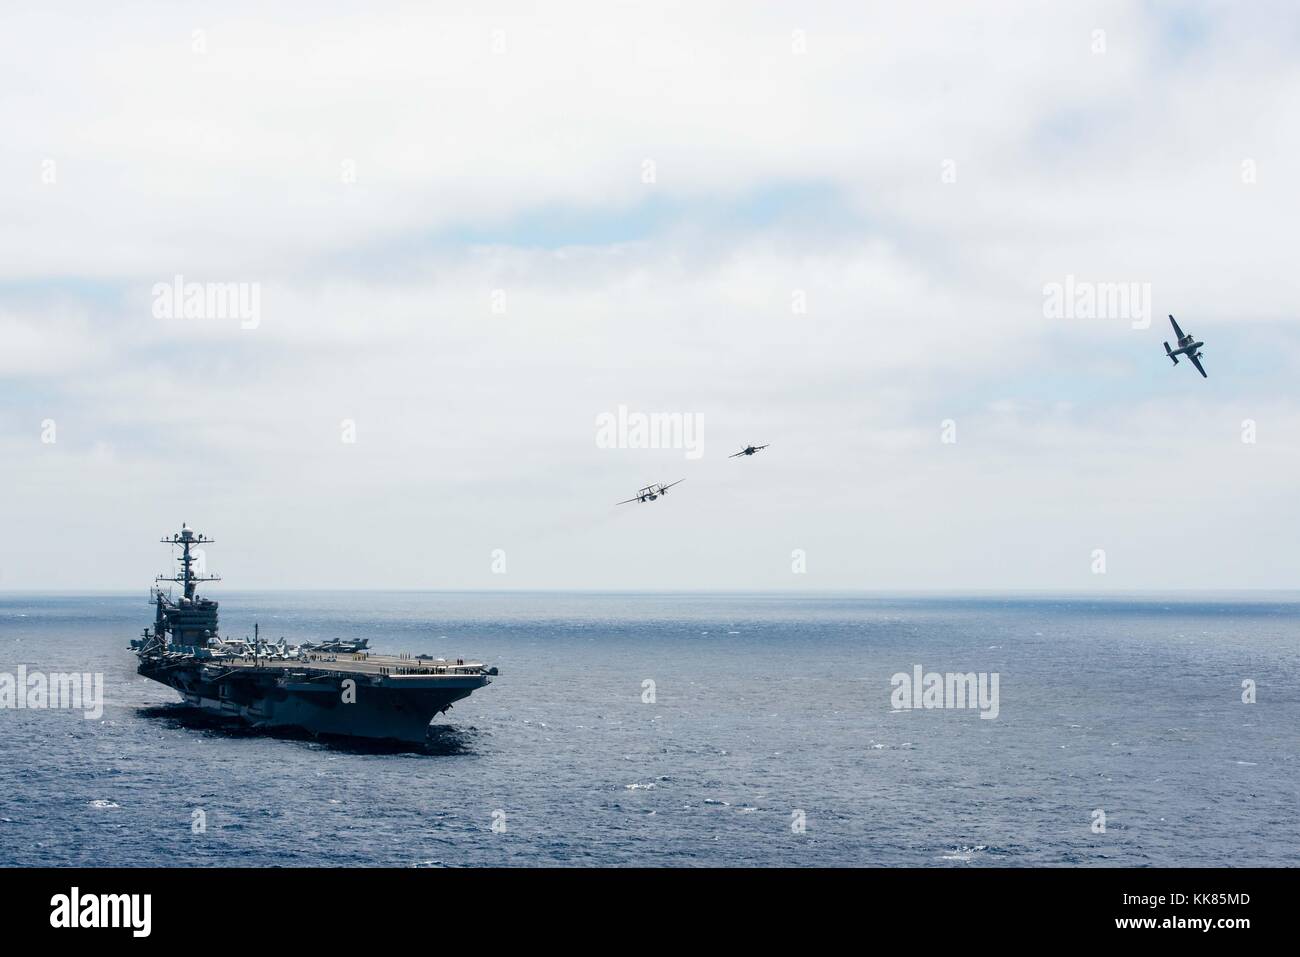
(826, 227)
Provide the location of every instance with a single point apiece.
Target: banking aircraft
(650, 492)
(1187, 346)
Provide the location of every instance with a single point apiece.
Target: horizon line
(886, 592)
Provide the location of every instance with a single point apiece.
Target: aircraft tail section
(1170, 353)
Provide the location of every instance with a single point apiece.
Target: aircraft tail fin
(1170, 353)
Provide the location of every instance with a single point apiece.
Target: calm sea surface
(768, 710)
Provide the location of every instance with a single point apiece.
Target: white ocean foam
(964, 853)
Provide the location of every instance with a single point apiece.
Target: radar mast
(186, 539)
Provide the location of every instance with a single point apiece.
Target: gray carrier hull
(397, 708)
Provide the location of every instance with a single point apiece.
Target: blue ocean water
(767, 707)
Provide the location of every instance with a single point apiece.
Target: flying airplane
(748, 450)
(651, 492)
(1187, 346)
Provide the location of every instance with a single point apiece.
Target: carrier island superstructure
(330, 688)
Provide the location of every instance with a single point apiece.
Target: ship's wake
(442, 740)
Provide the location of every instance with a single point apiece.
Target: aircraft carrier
(336, 688)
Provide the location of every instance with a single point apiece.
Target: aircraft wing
(678, 482)
(1196, 361)
(1178, 332)
(741, 452)
(627, 500)
(757, 447)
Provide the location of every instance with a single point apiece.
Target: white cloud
(776, 174)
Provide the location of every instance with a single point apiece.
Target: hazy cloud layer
(472, 233)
